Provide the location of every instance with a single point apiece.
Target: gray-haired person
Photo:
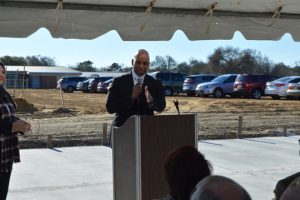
(219, 188)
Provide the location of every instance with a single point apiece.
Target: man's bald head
(219, 188)
(141, 62)
(141, 51)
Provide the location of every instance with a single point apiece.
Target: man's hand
(148, 95)
(137, 90)
(21, 126)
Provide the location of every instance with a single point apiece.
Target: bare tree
(224, 60)
(296, 71)
(114, 67)
(13, 60)
(281, 70)
(183, 67)
(29, 60)
(40, 61)
(166, 63)
(171, 63)
(86, 66)
(159, 64)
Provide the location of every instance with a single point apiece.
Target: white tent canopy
(198, 19)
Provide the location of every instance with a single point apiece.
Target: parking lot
(218, 118)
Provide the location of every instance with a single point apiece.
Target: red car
(92, 87)
(251, 85)
(104, 86)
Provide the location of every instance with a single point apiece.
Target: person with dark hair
(184, 168)
(10, 127)
(219, 188)
(283, 184)
(292, 192)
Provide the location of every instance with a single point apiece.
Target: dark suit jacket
(119, 99)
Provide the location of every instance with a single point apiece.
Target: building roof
(112, 74)
(45, 70)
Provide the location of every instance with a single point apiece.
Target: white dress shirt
(135, 78)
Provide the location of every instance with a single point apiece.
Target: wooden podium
(140, 147)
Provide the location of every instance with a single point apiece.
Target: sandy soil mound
(24, 107)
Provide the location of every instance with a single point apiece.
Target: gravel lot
(82, 123)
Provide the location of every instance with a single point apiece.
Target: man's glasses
(141, 63)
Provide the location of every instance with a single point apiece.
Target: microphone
(176, 103)
(139, 80)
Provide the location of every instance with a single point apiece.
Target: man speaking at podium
(135, 93)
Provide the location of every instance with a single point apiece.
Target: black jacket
(6, 117)
(119, 99)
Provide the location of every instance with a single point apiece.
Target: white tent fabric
(88, 19)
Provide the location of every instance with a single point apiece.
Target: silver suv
(190, 83)
(218, 87)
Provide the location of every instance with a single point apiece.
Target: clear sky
(110, 48)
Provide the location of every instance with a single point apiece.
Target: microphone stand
(176, 103)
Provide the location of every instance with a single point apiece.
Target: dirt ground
(85, 114)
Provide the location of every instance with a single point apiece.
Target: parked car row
(172, 83)
(91, 85)
(245, 85)
(283, 87)
(84, 84)
(235, 85)
(69, 83)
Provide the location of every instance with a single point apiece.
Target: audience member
(184, 168)
(10, 127)
(292, 192)
(283, 184)
(219, 188)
